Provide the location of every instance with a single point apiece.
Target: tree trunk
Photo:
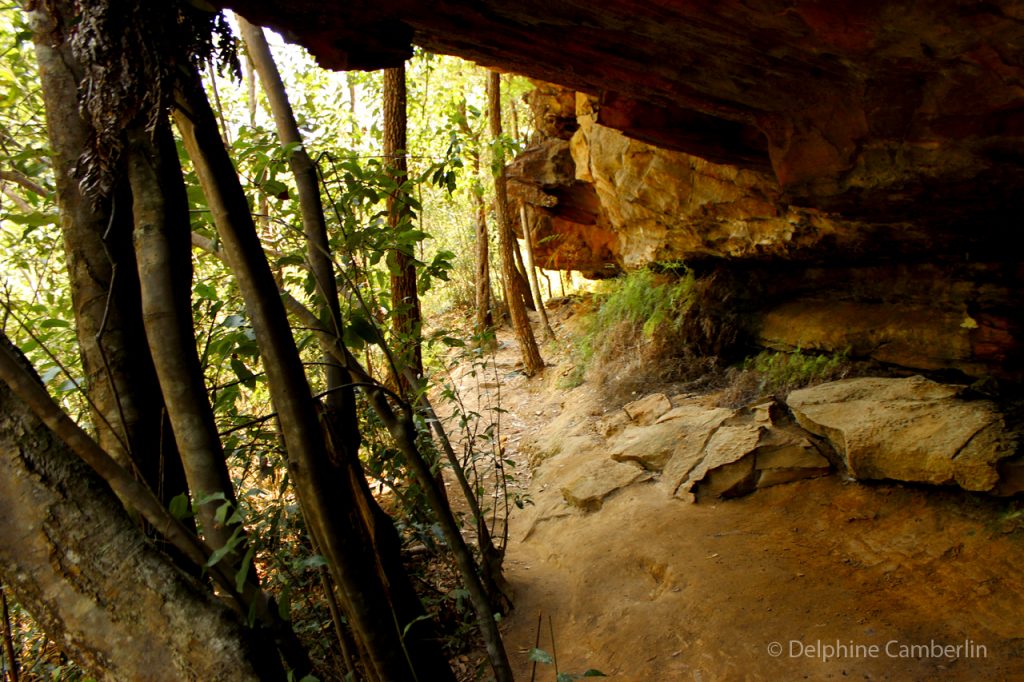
(517, 311)
(163, 251)
(484, 314)
(522, 281)
(129, 419)
(8, 635)
(405, 304)
(324, 491)
(340, 399)
(482, 282)
(532, 269)
(94, 582)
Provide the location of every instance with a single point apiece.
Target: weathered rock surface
(619, 203)
(589, 491)
(911, 429)
(649, 409)
(928, 317)
(755, 448)
(908, 430)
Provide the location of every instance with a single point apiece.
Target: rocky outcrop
(911, 429)
(759, 138)
(765, 280)
(888, 110)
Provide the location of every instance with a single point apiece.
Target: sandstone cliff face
(884, 109)
(796, 277)
(850, 174)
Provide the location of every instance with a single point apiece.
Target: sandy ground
(820, 579)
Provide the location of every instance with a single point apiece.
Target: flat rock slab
(909, 429)
(588, 492)
(648, 409)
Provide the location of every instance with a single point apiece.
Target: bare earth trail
(819, 579)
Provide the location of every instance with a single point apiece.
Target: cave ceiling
(873, 109)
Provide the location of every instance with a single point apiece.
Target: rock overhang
(877, 110)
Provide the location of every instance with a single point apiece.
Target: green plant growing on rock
(781, 372)
(635, 335)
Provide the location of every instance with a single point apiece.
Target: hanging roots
(131, 54)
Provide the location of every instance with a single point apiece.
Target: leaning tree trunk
(517, 311)
(327, 499)
(340, 399)
(94, 582)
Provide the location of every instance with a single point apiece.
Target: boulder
(911, 429)
(649, 446)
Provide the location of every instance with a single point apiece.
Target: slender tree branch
(19, 179)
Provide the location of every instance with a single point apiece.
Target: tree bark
(405, 303)
(8, 636)
(340, 399)
(482, 281)
(94, 582)
(129, 419)
(531, 267)
(522, 281)
(163, 252)
(484, 314)
(517, 311)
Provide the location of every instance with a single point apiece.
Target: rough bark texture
(404, 298)
(90, 577)
(517, 311)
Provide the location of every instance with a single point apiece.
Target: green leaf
(204, 290)
(363, 328)
(179, 507)
(541, 656)
(226, 549)
(290, 259)
(232, 321)
(243, 571)
(405, 630)
(275, 188)
(244, 374)
(314, 561)
(48, 324)
(284, 603)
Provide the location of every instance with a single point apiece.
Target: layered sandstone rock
(909, 430)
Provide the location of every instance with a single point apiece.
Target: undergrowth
(778, 373)
(634, 334)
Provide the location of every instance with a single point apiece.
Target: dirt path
(820, 579)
